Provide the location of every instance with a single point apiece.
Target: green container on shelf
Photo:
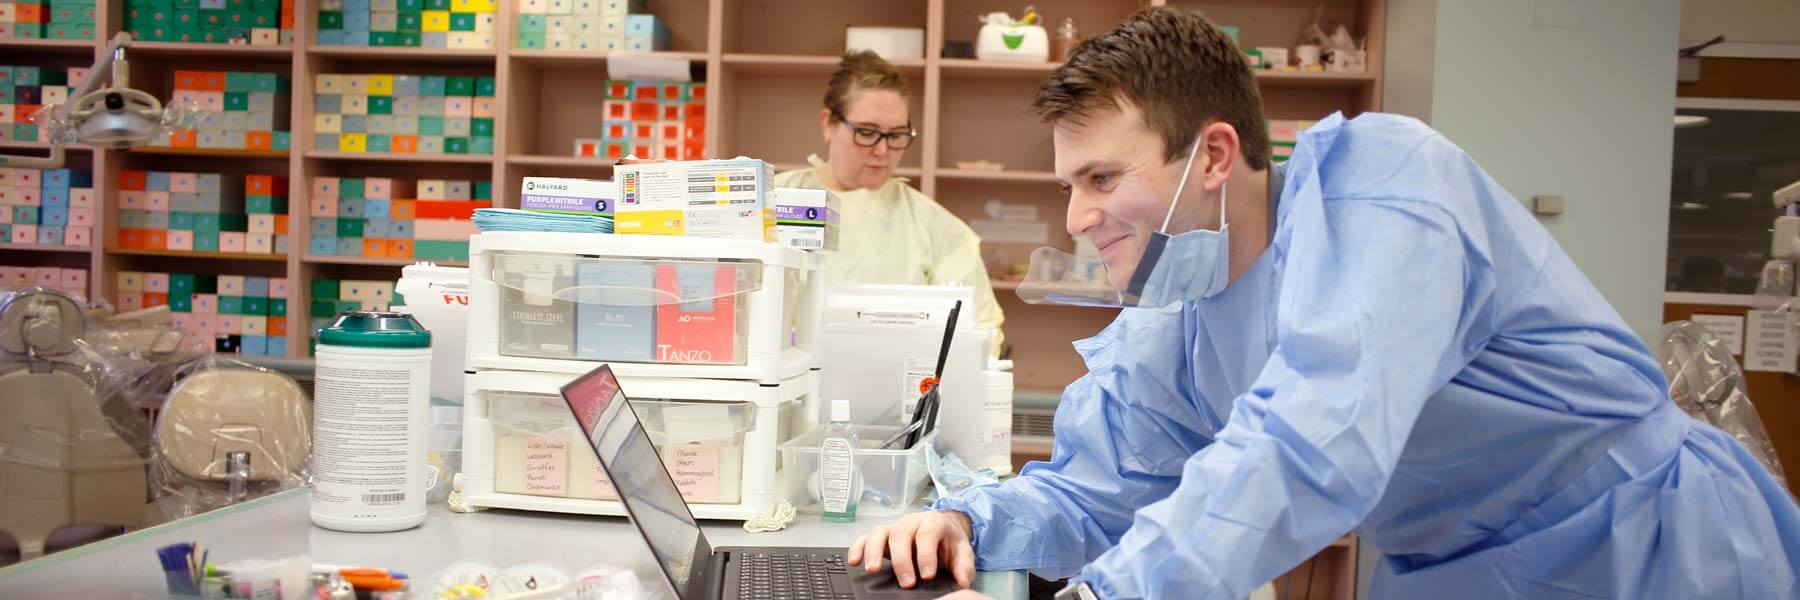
(278, 307)
(459, 86)
(281, 140)
(181, 302)
(237, 101)
(440, 250)
(325, 288)
(206, 222)
(256, 307)
(207, 241)
(481, 128)
(240, 81)
(181, 283)
(456, 145)
(380, 143)
(234, 222)
(381, 105)
(462, 21)
(432, 85)
(408, 39)
(25, 132)
(431, 126)
(384, 39)
(349, 228)
(266, 205)
(437, 4)
(533, 40)
(350, 188)
(481, 145)
(532, 24)
(484, 190)
(181, 221)
(484, 87)
(231, 305)
(409, 6)
(323, 308)
(409, 23)
(331, 19)
(273, 83)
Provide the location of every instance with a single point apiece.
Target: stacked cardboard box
(69, 20)
(53, 207)
(23, 90)
(74, 281)
(457, 24)
(1283, 135)
(430, 219)
(332, 296)
(253, 22)
(650, 119)
(404, 114)
(600, 26)
(236, 111)
(224, 313)
(203, 212)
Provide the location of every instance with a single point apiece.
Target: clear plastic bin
(890, 480)
(624, 309)
(539, 450)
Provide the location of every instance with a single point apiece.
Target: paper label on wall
(1728, 328)
(602, 487)
(546, 466)
(696, 471)
(917, 369)
(1770, 342)
(1011, 232)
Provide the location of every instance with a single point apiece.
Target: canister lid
(375, 329)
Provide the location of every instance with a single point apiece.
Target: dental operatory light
(111, 116)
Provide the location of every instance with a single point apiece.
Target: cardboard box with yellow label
(732, 199)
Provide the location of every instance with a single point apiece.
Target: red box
(449, 209)
(405, 144)
(696, 111)
(668, 151)
(188, 80)
(281, 224)
(277, 326)
(22, 112)
(153, 299)
(375, 248)
(617, 130)
(697, 93)
(399, 248)
(618, 90)
(643, 111)
(693, 150)
(128, 238)
(616, 151)
(183, 138)
(643, 130)
(156, 239)
(587, 149)
(671, 91)
(259, 140)
(212, 81)
(132, 180)
(643, 148)
(697, 332)
(265, 185)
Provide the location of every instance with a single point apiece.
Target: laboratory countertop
(278, 526)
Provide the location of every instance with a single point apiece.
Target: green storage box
(349, 228)
(207, 241)
(256, 307)
(484, 190)
(331, 19)
(237, 101)
(459, 86)
(350, 188)
(324, 288)
(456, 145)
(231, 305)
(381, 105)
(484, 87)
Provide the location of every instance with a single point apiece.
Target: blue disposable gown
(1414, 359)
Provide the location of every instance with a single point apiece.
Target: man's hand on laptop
(917, 545)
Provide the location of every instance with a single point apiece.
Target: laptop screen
(636, 472)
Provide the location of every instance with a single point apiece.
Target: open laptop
(695, 569)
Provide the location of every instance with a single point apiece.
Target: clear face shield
(1173, 267)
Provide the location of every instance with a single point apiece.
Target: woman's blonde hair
(861, 70)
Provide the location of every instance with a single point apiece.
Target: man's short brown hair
(1177, 68)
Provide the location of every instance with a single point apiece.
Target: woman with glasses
(890, 232)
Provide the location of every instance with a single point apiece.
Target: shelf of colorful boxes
(222, 313)
(236, 110)
(600, 26)
(73, 281)
(71, 20)
(382, 218)
(404, 114)
(267, 23)
(663, 119)
(25, 89)
(47, 208)
(449, 24)
(1283, 135)
(333, 296)
(203, 212)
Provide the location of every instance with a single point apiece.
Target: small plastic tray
(539, 450)
(890, 480)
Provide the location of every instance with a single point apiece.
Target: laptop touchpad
(883, 585)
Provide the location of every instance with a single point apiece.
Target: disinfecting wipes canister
(371, 407)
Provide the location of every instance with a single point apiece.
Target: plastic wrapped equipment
(1705, 381)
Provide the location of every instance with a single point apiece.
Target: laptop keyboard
(798, 576)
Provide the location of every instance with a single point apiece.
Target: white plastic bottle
(837, 467)
(371, 405)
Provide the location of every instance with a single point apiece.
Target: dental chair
(228, 432)
(62, 460)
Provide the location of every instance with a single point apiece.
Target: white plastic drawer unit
(652, 306)
(719, 440)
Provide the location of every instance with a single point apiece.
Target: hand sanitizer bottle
(837, 467)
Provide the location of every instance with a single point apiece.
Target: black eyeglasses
(868, 138)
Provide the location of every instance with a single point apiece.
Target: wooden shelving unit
(766, 70)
